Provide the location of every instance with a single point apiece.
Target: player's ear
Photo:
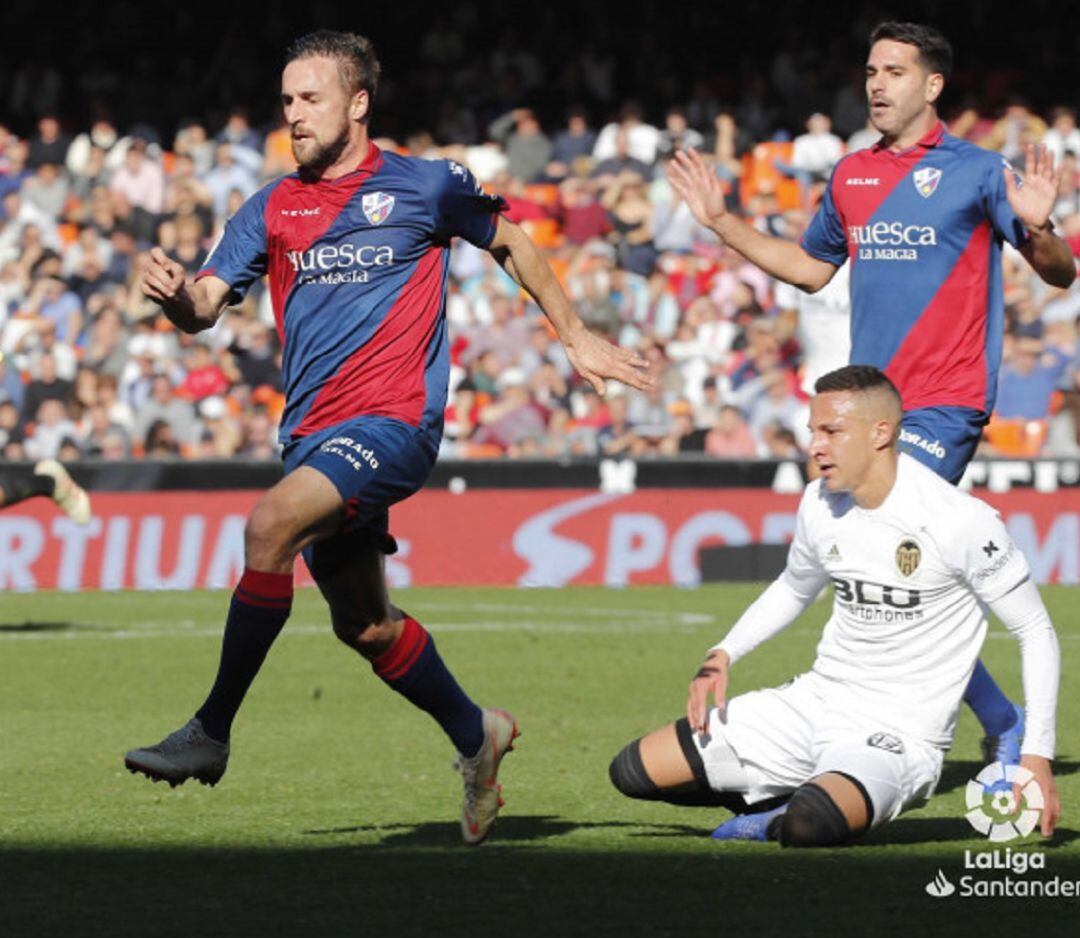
(359, 105)
(882, 434)
(935, 84)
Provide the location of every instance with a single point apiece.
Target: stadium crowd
(89, 368)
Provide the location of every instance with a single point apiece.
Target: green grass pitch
(338, 815)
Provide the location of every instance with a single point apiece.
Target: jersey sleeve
(986, 557)
(998, 210)
(788, 596)
(240, 256)
(463, 208)
(825, 237)
(804, 573)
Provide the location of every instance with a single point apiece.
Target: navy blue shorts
(943, 438)
(373, 462)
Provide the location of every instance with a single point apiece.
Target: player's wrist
(1046, 228)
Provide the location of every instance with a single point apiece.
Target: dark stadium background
(169, 61)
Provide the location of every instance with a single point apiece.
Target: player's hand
(595, 359)
(711, 678)
(1033, 197)
(698, 185)
(162, 278)
(1044, 778)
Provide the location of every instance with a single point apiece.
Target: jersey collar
(368, 166)
(931, 139)
(372, 161)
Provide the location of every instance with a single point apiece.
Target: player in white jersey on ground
(914, 563)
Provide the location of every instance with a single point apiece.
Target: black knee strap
(812, 819)
(685, 735)
(627, 773)
(862, 791)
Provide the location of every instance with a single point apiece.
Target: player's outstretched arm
(594, 358)
(190, 307)
(1032, 199)
(700, 188)
(772, 612)
(1022, 612)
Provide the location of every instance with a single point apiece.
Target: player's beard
(318, 156)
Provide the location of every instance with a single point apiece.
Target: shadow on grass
(416, 883)
(957, 774)
(511, 830)
(17, 628)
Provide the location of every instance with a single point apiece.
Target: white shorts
(785, 736)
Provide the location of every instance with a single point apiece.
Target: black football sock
(19, 485)
(258, 611)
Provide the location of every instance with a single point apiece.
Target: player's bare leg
(350, 573)
(827, 810)
(665, 766)
(300, 508)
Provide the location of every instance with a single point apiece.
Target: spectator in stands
(52, 425)
(47, 190)
(617, 437)
(528, 150)
(50, 143)
(677, 133)
(630, 214)
(46, 386)
(239, 133)
(582, 215)
(164, 406)
(1063, 136)
(814, 154)
(730, 437)
(1016, 129)
(572, 149)
(628, 137)
(160, 441)
(139, 184)
(1029, 376)
(233, 171)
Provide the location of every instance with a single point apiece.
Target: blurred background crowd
(98, 163)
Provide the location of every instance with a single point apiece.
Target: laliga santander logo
(993, 808)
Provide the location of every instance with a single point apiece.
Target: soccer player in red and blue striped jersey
(355, 248)
(921, 217)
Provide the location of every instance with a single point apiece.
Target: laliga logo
(994, 810)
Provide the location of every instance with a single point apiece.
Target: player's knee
(362, 631)
(268, 532)
(628, 774)
(812, 819)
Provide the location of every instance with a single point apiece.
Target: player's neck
(352, 156)
(875, 487)
(913, 133)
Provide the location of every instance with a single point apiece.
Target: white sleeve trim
(1024, 615)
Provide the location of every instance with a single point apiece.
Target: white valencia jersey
(909, 579)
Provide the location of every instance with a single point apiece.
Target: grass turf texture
(339, 809)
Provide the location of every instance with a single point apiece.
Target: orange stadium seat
(544, 194)
(1022, 439)
(760, 175)
(544, 232)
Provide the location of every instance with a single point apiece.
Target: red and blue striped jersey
(357, 269)
(923, 230)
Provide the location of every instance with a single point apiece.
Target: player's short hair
(935, 52)
(357, 63)
(855, 378)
